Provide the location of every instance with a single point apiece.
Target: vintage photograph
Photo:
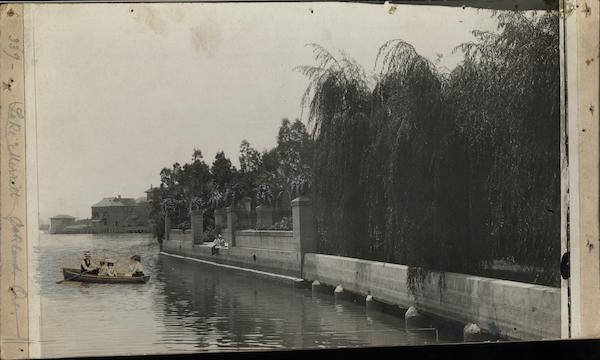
(216, 177)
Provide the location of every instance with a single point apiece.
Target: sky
(123, 90)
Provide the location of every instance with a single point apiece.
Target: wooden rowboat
(75, 275)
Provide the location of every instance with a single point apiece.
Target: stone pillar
(167, 227)
(246, 204)
(232, 225)
(264, 217)
(197, 221)
(304, 228)
(220, 219)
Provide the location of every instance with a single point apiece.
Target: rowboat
(75, 275)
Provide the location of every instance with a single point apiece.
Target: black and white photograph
(239, 177)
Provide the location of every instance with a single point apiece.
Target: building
(59, 223)
(118, 214)
(82, 226)
(150, 193)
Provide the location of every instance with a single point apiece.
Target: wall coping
(277, 233)
(301, 201)
(264, 207)
(187, 231)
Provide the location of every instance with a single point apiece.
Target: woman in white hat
(103, 268)
(110, 268)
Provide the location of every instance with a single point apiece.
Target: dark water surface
(191, 307)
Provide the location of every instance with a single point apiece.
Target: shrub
(286, 223)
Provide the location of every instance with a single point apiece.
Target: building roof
(62, 216)
(128, 201)
(114, 202)
(152, 189)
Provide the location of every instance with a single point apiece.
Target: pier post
(304, 228)
(371, 304)
(413, 319)
(316, 287)
(339, 293)
(197, 222)
(264, 217)
(471, 333)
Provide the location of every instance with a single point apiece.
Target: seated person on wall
(217, 244)
(87, 265)
(136, 268)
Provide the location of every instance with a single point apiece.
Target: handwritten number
(12, 56)
(15, 111)
(14, 47)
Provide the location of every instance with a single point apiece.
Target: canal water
(192, 307)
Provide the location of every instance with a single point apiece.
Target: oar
(71, 278)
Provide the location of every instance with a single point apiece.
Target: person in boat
(87, 265)
(103, 269)
(136, 268)
(109, 269)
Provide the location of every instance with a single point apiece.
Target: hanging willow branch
(448, 172)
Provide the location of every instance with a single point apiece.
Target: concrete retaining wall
(387, 282)
(274, 240)
(275, 261)
(505, 308)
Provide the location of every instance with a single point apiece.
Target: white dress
(103, 271)
(111, 271)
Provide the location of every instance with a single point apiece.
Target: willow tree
(400, 166)
(504, 98)
(446, 172)
(338, 100)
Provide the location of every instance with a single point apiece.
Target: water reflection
(191, 307)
